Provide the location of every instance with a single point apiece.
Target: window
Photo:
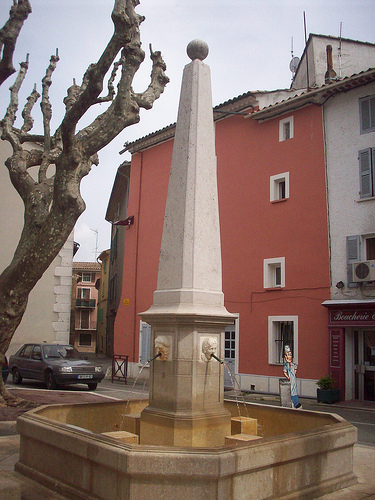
(367, 172)
(85, 319)
(85, 339)
(367, 114)
(358, 248)
(114, 246)
(274, 272)
(282, 331)
(370, 248)
(230, 342)
(286, 129)
(83, 293)
(37, 353)
(279, 187)
(113, 289)
(353, 254)
(144, 342)
(26, 351)
(86, 277)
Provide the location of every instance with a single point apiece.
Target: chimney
(330, 75)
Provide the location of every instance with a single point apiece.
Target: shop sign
(335, 350)
(353, 316)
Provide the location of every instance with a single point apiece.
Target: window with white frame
(274, 272)
(279, 187)
(282, 331)
(367, 172)
(86, 277)
(367, 114)
(286, 129)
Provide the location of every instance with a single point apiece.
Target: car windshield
(61, 351)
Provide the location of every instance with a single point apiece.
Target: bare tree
(53, 202)
(9, 34)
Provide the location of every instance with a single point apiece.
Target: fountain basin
(301, 454)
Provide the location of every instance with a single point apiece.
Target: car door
(36, 363)
(23, 363)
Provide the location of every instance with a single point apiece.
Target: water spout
(154, 357)
(217, 359)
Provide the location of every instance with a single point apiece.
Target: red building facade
(274, 234)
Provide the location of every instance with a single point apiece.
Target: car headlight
(98, 368)
(66, 369)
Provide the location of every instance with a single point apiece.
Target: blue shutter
(145, 342)
(353, 254)
(365, 175)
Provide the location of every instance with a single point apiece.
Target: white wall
(47, 317)
(348, 214)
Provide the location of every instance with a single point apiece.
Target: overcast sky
(250, 44)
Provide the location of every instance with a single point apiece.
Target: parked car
(55, 365)
(5, 370)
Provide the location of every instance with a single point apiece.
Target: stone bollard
(284, 389)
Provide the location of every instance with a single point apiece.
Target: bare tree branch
(53, 202)
(18, 14)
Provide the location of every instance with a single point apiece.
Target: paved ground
(22, 488)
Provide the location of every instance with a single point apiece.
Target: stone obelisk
(188, 316)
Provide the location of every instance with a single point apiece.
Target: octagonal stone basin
(300, 454)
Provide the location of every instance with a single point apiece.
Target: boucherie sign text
(353, 316)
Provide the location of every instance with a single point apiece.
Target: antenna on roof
(340, 33)
(307, 59)
(293, 63)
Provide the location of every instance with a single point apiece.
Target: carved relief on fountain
(163, 344)
(208, 347)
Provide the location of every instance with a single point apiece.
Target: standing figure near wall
(290, 370)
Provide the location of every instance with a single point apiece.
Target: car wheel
(50, 383)
(17, 378)
(92, 386)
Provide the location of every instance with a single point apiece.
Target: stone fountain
(187, 442)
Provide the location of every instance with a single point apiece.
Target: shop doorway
(364, 364)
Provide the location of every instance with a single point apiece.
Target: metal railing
(120, 367)
(87, 303)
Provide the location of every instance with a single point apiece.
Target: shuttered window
(353, 254)
(367, 172)
(367, 114)
(145, 342)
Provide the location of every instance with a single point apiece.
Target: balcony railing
(83, 326)
(86, 303)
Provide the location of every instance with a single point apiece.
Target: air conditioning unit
(364, 271)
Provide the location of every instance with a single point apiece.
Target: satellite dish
(294, 64)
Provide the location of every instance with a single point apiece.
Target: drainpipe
(136, 258)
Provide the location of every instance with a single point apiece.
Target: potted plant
(326, 392)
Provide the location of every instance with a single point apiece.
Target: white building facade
(349, 122)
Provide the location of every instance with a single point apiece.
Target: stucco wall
(349, 215)
(47, 317)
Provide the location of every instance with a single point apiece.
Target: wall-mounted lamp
(129, 221)
(340, 285)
